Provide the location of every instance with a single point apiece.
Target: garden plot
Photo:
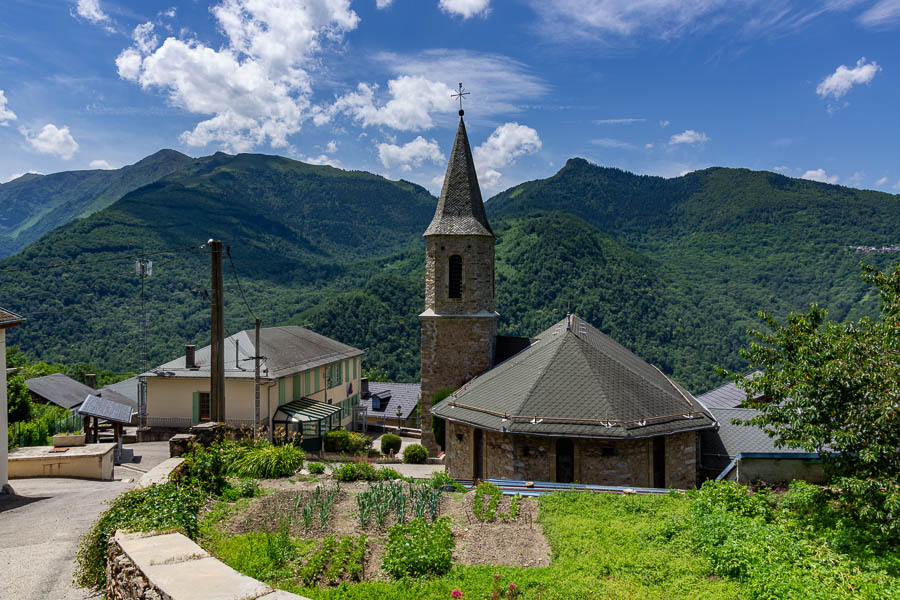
(338, 533)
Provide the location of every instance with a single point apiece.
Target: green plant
(390, 443)
(336, 440)
(353, 471)
(267, 461)
(415, 454)
(439, 479)
(486, 488)
(315, 468)
(514, 508)
(316, 564)
(419, 549)
(205, 468)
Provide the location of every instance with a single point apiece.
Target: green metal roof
(575, 381)
(304, 409)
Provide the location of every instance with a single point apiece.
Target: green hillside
(674, 269)
(35, 204)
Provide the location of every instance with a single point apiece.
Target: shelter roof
(59, 389)
(102, 408)
(575, 381)
(304, 409)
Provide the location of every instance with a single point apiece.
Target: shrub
(439, 479)
(169, 505)
(415, 454)
(419, 549)
(315, 468)
(336, 441)
(355, 470)
(269, 462)
(390, 442)
(388, 473)
(205, 468)
(358, 443)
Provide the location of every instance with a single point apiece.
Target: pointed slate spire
(460, 209)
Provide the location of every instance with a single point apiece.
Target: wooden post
(217, 335)
(96, 429)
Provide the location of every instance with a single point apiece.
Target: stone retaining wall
(172, 567)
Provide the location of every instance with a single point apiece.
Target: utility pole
(256, 383)
(143, 269)
(217, 334)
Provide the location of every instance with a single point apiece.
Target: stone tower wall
(454, 350)
(477, 254)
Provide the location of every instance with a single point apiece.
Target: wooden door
(565, 460)
(478, 455)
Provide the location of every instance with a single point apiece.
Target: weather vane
(460, 95)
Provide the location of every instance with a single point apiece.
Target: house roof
(112, 395)
(730, 440)
(460, 209)
(392, 395)
(9, 319)
(726, 396)
(575, 381)
(59, 389)
(286, 350)
(102, 408)
(126, 392)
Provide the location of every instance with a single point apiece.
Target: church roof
(460, 209)
(575, 381)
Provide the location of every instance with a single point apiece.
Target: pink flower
(512, 587)
(456, 594)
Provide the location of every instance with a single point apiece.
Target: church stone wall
(477, 254)
(598, 462)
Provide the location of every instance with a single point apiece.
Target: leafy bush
(415, 454)
(268, 462)
(419, 549)
(169, 505)
(315, 468)
(390, 442)
(359, 443)
(439, 479)
(336, 441)
(362, 470)
(388, 473)
(204, 468)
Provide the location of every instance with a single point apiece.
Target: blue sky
(806, 87)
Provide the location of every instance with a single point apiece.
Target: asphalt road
(41, 525)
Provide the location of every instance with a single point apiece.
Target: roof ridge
(543, 372)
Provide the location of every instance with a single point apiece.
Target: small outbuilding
(58, 389)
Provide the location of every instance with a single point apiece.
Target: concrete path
(41, 525)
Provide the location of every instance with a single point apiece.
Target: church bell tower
(459, 325)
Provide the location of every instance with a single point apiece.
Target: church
(568, 405)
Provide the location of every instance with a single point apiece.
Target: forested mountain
(35, 204)
(674, 269)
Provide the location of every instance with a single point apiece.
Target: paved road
(41, 525)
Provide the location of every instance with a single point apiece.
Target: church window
(455, 270)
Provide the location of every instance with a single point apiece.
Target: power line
(101, 260)
(238, 281)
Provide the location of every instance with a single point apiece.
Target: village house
(570, 405)
(390, 404)
(7, 320)
(309, 383)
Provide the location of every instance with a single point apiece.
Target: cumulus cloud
(781, 169)
(90, 10)
(466, 8)
(507, 142)
(331, 147)
(409, 155)
(689, 136)
(380, 4)
(625, 121)
(6, 115)
(144, 39)
(54, 140)
(412, 100)
(883, 13)
(820, 176)
(839, 83)
(613, 143)
(100, 164)
(882, 181)
(322, 159)
(257, 86)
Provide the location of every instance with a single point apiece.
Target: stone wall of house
(598, 462)
(454, 350)
(681, 460)
(477, 253)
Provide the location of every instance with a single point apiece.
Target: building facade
(7, 320)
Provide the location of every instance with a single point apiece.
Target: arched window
(455, 270)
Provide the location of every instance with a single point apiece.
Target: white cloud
(689, 136)
(820, 176)
(331, 147)
(625, 121)
(612, 143)
(90, 10)
(648, 145)
(897, 185)
(839, 83)
(409, 155)
(144, 39)
(466, 8)
(412, 100)
(322, 159)
(507, 142)
(883, 13)
(100, 164)
(856, 179)
(664, 123)
(15, 176)
(381, 4)
(882, 181)
(52, 140)
(6, 115)
(256, 87)
(781, 169)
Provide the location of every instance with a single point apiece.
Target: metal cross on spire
(460, 95)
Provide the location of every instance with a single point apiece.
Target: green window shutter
(354, 367)
(316, 377)
(347, 370)
(281, 387)
(195, 418)
(307, 383)
(296, 387)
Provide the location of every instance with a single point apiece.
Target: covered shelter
(58, 389)
(307, 420)
(102, 409)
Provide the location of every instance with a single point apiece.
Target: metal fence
(40, 433)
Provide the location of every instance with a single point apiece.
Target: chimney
(237, 354)
(189, 361)
(90, 380)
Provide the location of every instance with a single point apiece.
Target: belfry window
(455, 271)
